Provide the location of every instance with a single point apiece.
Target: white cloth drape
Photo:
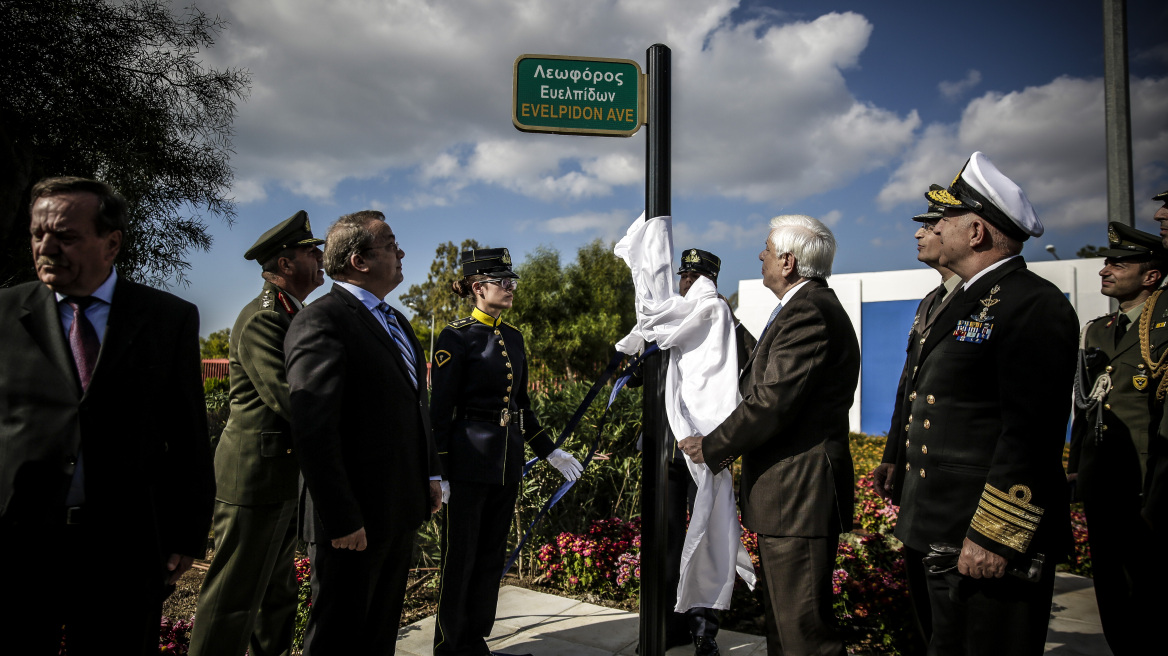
(701, 389)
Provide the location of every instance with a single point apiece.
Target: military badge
(506, 257)
(691, 257)
(1112, 236)
(441, 358)
(987, 303)
(1140, 381)
(973, 331)
(1160, 325)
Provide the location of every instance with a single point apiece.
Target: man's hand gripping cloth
(701, 389)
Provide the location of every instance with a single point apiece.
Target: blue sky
(842, 110)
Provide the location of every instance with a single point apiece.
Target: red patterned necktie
(83, 339)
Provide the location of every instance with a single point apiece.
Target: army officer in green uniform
(1154, 345)
(248, 598)
(482, 419)
(1109, 446)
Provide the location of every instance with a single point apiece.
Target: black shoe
(704, 646)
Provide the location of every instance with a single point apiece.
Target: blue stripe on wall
(884, 334)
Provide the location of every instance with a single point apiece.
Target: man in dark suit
(791, 430)
(248, 599)
(984, 485)
(888, 477)
(1114, 414)
(104, 436)
(361, 432)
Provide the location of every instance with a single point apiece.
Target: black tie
(1121, 324)
(938, 298)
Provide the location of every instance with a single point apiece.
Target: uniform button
(288, 451)
(922, 473)
(498, 333)
(922, 340)
(906, 427)
(508, 376)
(508, 365)
(508, 388)
(927, 424)
(501, 343)
(504, 354)
(907, 443)
(71, 461)
(907, 466)
(910, 419)
(1103, 427)
(1106, 406)
(930, 399)
(912, 397)
(1109, 368)
(925, 449)
(505, 399)
(1140, 366)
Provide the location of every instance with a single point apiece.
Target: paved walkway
(547, 625)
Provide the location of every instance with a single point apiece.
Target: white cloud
(954, 90)
(609, 225)
(832, 218)
(1049, 139)
(717, 232)
(355, 90)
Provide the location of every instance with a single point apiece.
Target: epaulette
(511, 326)
(463, 322)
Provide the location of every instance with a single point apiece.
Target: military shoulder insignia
(286, 303)
(463, 322)
(267, 300)
(509, 325)
(441, 357)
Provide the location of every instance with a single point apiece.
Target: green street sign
(592, 96)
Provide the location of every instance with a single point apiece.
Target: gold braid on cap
(1155, 369)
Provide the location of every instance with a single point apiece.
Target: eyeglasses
(393, 247)
(506, 284)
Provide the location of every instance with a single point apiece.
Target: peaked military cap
(1161, 196)
(1125, 242)
(293, 231)
(488, 262)
(703, 262)
(980, 187)
(935, 211)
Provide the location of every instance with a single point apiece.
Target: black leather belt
(75, 515)
(502, 417)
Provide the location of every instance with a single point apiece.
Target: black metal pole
(656, 598)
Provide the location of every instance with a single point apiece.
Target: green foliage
(572, 316)
(117, 90)
(1089, 251)
(435, 298)
(215, 345)
(303, 601)
(217, 397)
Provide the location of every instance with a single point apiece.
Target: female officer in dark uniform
(481, 418)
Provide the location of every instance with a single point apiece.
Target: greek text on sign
(577, 95)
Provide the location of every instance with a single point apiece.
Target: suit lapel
(42, 320)
(931, 314)
(126, 318)
(966, 302)
(768, 336)
(365, 317)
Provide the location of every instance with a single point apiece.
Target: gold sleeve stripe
(1001, 532)
(1023, 503)
(1034, 519)
(1004, 516)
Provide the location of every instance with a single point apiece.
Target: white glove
(568, 465)
(445, 490)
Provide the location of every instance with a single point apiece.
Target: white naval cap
(982, 188)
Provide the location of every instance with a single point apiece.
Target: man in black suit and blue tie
(361, 431)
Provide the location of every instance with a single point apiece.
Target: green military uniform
(248, 598)
(1110, 445)
(1154, 346)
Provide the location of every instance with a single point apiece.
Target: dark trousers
(682, 628)
(248, 599)
(105, 588)
(795, 584)
(357, 596)
(976, 616)
(475, 525)
(1128, 590)
(918, 592)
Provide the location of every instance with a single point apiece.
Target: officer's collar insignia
(506, 257)
(441, 357)
(1140, 381)
(987, 303)
(287, 305)
(692, 257)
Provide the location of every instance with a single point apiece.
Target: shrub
(175, 636)
(303, 601)
(603, 561)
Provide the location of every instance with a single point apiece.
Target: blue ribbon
(621, 381)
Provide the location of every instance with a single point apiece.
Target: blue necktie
(774, 313)
(399, 338)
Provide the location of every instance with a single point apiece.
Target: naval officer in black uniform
(1109, 446)
(481, 417)
(987, 425)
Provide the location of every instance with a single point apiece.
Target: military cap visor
(935, 211)
(1162, 196)
(699, 261)
(293, 231)
(1126, 243)
(494, 262)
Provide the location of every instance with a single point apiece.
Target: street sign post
(592, 96)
